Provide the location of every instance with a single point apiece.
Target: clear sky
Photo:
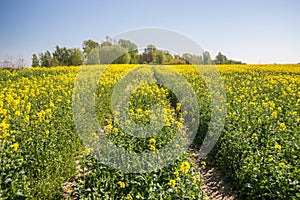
(253, 31)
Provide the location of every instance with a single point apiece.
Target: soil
(214, 185)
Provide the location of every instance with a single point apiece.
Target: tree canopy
(120, 52)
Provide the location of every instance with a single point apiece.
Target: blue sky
(256, 31)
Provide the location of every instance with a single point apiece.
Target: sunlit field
(43, 157)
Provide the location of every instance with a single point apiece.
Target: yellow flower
(282, 126)
(69, 191)
(203, 163)
(178, 124)
(116, 120)
(168, 123)
(3, 111)
(172, 183)
(109, 126)
(26, 119)
(88, 150)
(272, 104)
(184, 167)
(95, 136)
(264, 104)
(115, 130)
(121, 184)
(48, 110)
(176, 172)
(41, 114)
(254, 135)
(152, 141)
(129, 197)
(152, 148)
(274, 114)
(15, 146)
(18, 113)
(178, 106)
(4, 134)
(28, 106)
(281, 164)
(4, 125)
(259, 121)
(52, 104)
(277, 146)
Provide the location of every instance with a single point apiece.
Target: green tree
(150, 48)
(192, 59)
(62, 55)
(221, 59)
(45, 59)
(114, 54)
(159, 57)
(35, 61)
(187, 57)
(132, 49)
(93, 57)
(146, 58)
(148, 55)
(168, 57)
(88, 46)
(206, 58)
(76, 57)
(108, 42)
(178, 60)
(54, 62)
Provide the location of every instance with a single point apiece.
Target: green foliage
(114, 55)
(102, 181)
(220, 59)
(159, 57)
(131, 48)
(88, 46)
(62, 55)
(260, 147)
(38, 144)
(258, 151)
(93, 57)
(35, 61)
(76, 57)
(206, 58)
(192, 59)
(45, 59)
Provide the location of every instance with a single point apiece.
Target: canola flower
(277, 146)
(172, 183)
(15, 146)
(176, 172)
(121, 184)
(185, 166)
(152, 141)
(259, 98)
(129, 197)
(281, 164)
(282, 126)
(203, 163)
(152, 148)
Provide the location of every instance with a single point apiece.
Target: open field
(40, 149)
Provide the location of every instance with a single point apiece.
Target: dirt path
(214, 184)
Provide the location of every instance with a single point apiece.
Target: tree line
(120, 52)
